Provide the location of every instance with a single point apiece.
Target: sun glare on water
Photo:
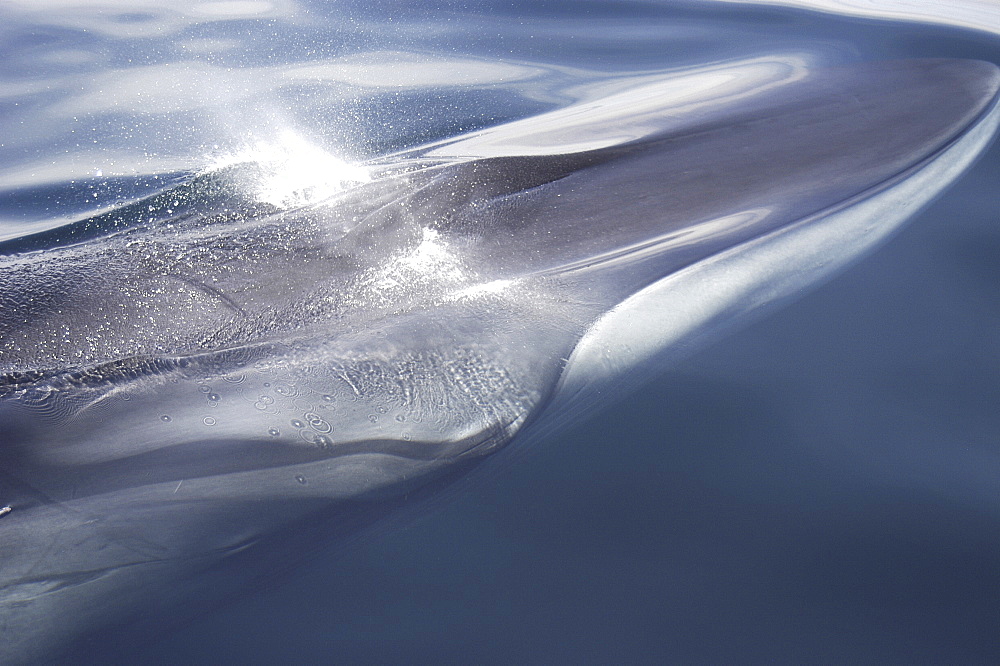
(292, 172)
(295, 172)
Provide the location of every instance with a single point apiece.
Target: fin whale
(182, 376)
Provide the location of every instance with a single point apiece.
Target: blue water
(820, 487)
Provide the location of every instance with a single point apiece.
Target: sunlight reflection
(130, 19)
(296, 172)
(431, 262)
(613, 113)
(975, 14)
(493, 288)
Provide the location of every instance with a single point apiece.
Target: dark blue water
(821, 487)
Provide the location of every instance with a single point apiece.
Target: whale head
(185, 375)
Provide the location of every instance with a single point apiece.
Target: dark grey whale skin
(199, 372)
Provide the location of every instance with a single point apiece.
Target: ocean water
(819, 487)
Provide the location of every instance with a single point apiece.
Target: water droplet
(126, 396)
(297, 424)
(267, 384)
(373, 418)
(400, 418)
(301, 479)
(209, 421)
(323, 442)
(381, 410)
(328, 398)
(406, 437)
(273, 432)
(165, 418)
(204, 389)
(236, 379)
(214, 397)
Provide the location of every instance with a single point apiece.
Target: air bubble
(273, 432)
(317, 422)
(381, 410)
(204, 389)
(214, 397)
(373, 418)
(400, 418)
(209, 421)
(328, 398)
(297, 424)
(322, 441)
(301, 479)
(165, 418)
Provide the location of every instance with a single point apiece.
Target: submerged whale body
(182, 376)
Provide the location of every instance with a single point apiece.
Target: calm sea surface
(821, 487)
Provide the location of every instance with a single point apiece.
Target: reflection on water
(633, 107)
(823, 484)
(975, 14)
(294, 172)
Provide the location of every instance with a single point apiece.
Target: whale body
(185, 376)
